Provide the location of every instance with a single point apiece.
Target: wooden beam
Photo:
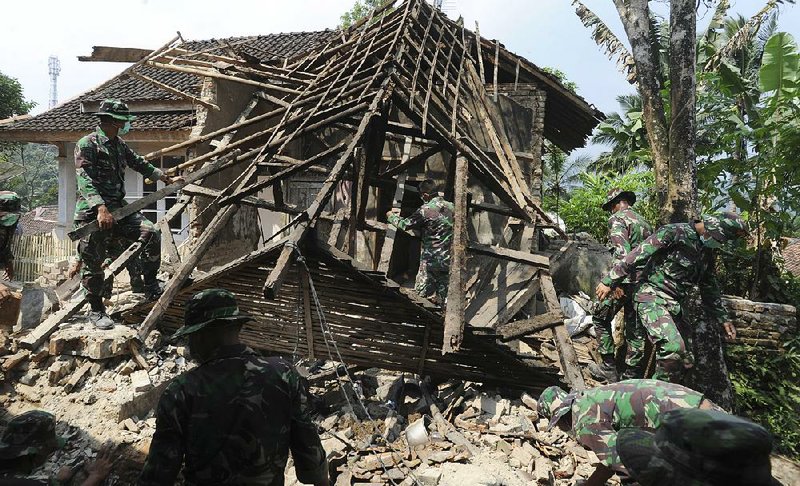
(359, 181)
(516, 329)
(408, 163)
(566, 352)
(454, 312)
(115, 54)
(492, 208)
(539, 261)
(256, 202)
(170, 89)
(308, 322)
(139, 204)
(220, 221)
(387, 250)
(41, 332)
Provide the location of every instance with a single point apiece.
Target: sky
(546, 32)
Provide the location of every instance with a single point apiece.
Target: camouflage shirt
(626, 230)
(233, 420)
(100, 164)
(599, 413)
(674, 260)
(435, 219)
(6, 234)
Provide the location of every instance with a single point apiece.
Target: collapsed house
(327, 142)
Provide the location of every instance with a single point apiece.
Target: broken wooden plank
(142, 203)
(170, 89)
(454, 312)
(220, 221)
(408, 163)
(539, 261)
(77, 376)
(41, 332)
(133, 347)
(566, 352)
(524, 327)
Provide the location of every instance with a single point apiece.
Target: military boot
(101, 320)
(606, 371)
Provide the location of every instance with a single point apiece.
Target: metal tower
(55, 68)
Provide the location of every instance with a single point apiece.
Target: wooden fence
(32, 253)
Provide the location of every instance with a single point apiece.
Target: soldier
(9, 217)
(435, 219)
(698, 447)
(233, 419)
(596, 415)
(626, 230)
(100, 161)
(676, 257)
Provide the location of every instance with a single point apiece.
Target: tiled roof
(791, 256)
(68, 116)
(40, 220)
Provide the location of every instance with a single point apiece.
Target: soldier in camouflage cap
(676, 258)
(28, 440)
(10, 206)
(626, 230)
(234, 418)
(698, 448)
(596, 415)
(100, 160)
(435, 219)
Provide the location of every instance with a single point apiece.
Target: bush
(582, 212)
(767, 391)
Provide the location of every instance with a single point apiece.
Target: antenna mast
(55, 68)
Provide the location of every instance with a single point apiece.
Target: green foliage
(562, 77)
(359, 10)
(583, 212)
(12, 102)
(560, 175)
(767, 390)
(625, 134)
(36, 166)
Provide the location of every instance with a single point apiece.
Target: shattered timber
(400, 97)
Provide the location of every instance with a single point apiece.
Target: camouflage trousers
(433, 279)
(95, 248)
(662, 319)
(634, 332)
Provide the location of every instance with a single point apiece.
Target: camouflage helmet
(210, 306)
(30, 433)
(697, 447)
(616, 194)
(10, 207)
(115, 109)
(553, 404)
(724, 227)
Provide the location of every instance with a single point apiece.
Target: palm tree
(561, 174)
(625, 134)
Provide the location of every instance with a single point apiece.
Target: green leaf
(779, 64)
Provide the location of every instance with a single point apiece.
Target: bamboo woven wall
(32, 253)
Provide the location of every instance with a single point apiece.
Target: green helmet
(29, 434)
(696, 447)
(553, 404)
(10, 207)
(722, 228)
(210, 306)
(115, 109)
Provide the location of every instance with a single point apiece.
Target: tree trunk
(635, 16)
(681, 204)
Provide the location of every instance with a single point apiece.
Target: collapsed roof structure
(404, 95)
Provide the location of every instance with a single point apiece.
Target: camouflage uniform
(676, 259)
(626, 230)
(234, 418)
(100, 163)
(598, 414)
(698, 448)
(435, 219)
(10, 206)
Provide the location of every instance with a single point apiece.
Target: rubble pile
(100, 386)
(371, 425)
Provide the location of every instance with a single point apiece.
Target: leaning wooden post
(454, 313)
(566, 352)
